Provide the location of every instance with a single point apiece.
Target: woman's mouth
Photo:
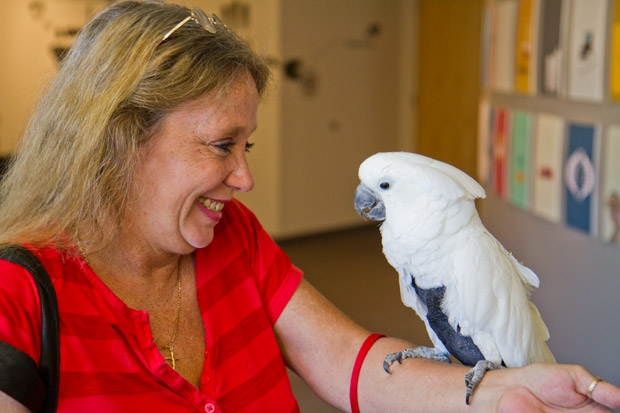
(211, 204)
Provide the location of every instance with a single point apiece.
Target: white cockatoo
(471, 293)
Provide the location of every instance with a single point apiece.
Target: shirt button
(209, 408)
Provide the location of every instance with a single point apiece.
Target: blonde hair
(74, 164)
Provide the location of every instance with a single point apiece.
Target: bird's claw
(475, 375)
(391, 358)
(418, 352)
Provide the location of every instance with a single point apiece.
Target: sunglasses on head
(208, 23)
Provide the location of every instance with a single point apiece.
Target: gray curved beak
(368, 204)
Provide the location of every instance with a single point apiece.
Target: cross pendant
(171, 359)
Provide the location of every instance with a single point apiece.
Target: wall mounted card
(520, 159)
(547, 170)
(615, 53)
(580, 178)
(526, 56)
(505, 29)
(485, 126)
(610, 184)
(500, 141)
(586, 59)
(551, 67)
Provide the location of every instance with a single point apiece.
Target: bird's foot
(418, 352)
(475, 375)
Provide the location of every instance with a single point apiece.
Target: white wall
(362, 104)
(28, 32)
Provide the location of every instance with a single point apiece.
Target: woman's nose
(241, 179)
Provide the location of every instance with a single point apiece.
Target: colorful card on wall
(485, 126)
(551, 67)
(587, 44)
(520, 159)
(503, 52)
(527, 33)
(500, 141)
(547, 170)
(615, 53)
(580, 178)
(610, 194)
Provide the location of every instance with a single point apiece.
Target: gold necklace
(168, 346)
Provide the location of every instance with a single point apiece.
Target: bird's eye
(384, 185)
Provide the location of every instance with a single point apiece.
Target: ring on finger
(592, 386)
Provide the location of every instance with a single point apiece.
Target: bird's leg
(475, 375)
(418, 352)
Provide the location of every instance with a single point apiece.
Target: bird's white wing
(490, 302)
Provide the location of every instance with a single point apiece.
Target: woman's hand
(553, 387)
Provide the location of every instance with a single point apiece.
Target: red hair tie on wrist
(355, 408)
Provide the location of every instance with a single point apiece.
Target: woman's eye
(225, 146)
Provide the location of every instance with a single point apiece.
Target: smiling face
(190, 169)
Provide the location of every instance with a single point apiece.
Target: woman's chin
(200, 240)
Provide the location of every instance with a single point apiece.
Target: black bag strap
(49, 366)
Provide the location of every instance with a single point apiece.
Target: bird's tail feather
(540, 351)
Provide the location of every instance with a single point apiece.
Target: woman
(171, 296)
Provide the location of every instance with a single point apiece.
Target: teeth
(211, 204)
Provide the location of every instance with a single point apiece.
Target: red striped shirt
(109, 361)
